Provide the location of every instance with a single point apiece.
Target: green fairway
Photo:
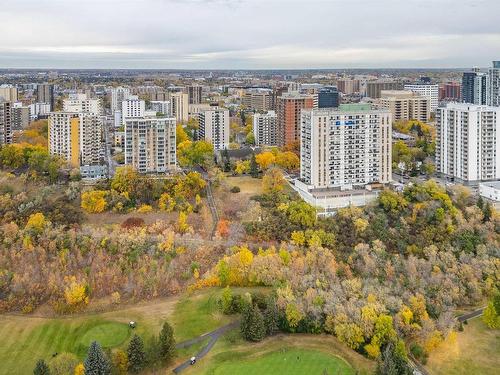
(109, 335)
(26, 339)
(288, 361)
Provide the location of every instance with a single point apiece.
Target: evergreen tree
(96, 362)
(480, 202)
(271, 317)
(41, 368)
(226, 160)
(487, 212)
(167, 342)
(252, 324)
(136, 354)
(254, 169)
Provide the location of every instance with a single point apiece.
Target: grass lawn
(475, 352)
(198, 314)
(247, 184)
(25, 339)
(278, 355)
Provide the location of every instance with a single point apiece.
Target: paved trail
(214, 336)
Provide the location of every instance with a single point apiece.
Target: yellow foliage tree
(144, 208)
(182, 225)
(36, 222)
(80, 369)
(273, 181)
(94, 201)
(287, 160)
(265, 159)
(75, 293)
(242, 166)
(166, 202)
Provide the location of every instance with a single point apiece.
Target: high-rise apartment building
(346, 147)
(288, 108)
(328, 97)
(118, 95)
(475, 87)
(77, 137)
(5, 123)
(348, 86)
(494, 84)
(8, 93)
(430, 91)
(132, 107)
(468, 142)
(260, 100)
(150, 144)
(82, 103)
(161, 106)
(405, 105)
(214, 127)
(450, 91)
(20, 116)
(265, 129)
(180, 106)
(195, 94)
(45, 94)
(374, 88)
(38, 110)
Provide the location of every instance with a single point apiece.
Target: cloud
(248, 33)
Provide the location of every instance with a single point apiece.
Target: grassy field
(25, 339)
(475, 352)
(286, 361)
(278, 355)
(247, 184)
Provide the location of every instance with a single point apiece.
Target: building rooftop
(492, 184)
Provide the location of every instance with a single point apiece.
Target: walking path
(214, 336)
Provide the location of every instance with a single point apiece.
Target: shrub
(132, 222)
(235, 189)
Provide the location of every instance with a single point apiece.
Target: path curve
(214, 336)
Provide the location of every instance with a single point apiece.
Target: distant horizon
(248, 34)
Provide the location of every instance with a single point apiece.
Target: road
(470, 315)
(214, 336)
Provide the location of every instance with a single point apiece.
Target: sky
(249, 34)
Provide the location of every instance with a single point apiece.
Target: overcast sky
(260, 34)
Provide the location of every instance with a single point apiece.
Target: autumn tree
(136, 354)
(265, 160)
(120, 362)
(63, 364)
(125, 180)
(287, 160)
(195, 153)
(223, 228)
(180, 134)
(96, 362)
(94, 201)
(491, 314)
(273, 181)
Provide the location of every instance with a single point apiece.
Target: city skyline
(242, 34)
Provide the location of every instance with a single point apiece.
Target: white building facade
(494, 85)
(214, 127)
(468, 142)
(118, 95)
(150, 145)
(345, 148)
(132, 108)
(265, 129)
(430, 91)
(81, 103)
